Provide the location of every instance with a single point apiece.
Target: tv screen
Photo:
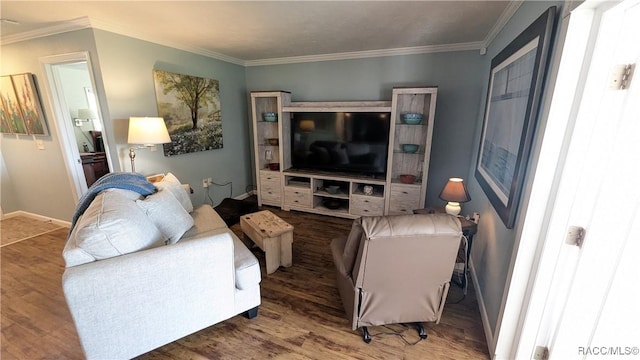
(355, 142)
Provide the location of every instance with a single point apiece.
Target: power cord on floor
(398, 333)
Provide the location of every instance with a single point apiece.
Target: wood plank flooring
(301, 316)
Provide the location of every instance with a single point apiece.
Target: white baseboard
(36, 217)
(244, 196)
(488, 332)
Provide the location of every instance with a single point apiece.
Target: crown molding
(59, 28)
(367, 54)
(504, 18)
(139, 35)
(85, 22)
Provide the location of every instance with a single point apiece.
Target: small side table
(469, 229)
(272, 234)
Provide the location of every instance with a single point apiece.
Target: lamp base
(453, 208)
(132, 156)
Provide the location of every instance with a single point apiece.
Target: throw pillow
(171, 183)
(112, 225)
(167, 214)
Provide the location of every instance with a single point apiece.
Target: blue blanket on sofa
(120, 180)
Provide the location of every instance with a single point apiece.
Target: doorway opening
(83, 140)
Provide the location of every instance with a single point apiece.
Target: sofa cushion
(247, 268)
(204, 219)
(171, 183)
(246, 265)
(167, 214)
(112, 225)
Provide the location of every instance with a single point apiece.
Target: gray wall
(126, 65)
(457, 75)
(35, 180)
(494, 244)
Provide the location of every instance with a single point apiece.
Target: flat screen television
(353, 142)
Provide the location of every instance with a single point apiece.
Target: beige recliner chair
(396, 269)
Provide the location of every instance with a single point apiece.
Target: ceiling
(264, 32)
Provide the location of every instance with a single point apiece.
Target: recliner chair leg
(365, 335)
(421, 331)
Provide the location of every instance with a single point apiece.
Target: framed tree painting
(513, 98)
(190, 107)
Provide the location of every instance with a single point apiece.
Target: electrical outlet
(205, 183)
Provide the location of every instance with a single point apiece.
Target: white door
(592, 310)
(53, 66)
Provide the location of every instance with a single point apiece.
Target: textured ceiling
(250, 31)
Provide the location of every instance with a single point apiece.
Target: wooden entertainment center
(336, 193)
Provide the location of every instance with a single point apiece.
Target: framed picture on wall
(190, 107)
(511, 111)
(21, 106)
(30, 104)
(12, 121)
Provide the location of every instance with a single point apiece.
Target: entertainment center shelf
(339, 106)
(350, 142)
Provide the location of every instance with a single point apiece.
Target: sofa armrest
(128, 305)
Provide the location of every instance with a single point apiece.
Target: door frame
(538, 255)
(70, 152)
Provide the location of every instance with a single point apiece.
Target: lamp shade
(307, 125)
(455, 191)
(148, 131)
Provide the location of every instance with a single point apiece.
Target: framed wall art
(190, 107)
(21, 106)
(511, 111)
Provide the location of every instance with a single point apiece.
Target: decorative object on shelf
(273, 141)
(511, 113)
(333, 189)
(368, 190)
(455, 193)
(22, 106)
(407, 178)
(146, 132)
(274, 166)
(410, 148)
(412, 118)
(332, 204)
(193, 106)
(268, 155)
(270, 116)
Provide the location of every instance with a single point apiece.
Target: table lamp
(454, 193)
(146, 132)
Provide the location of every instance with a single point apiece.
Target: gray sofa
(143, 272)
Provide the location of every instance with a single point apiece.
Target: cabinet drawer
(404, 199)
(296, 196)
(270, 195)
(367, 205)
(270, 187)
(270, 177)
